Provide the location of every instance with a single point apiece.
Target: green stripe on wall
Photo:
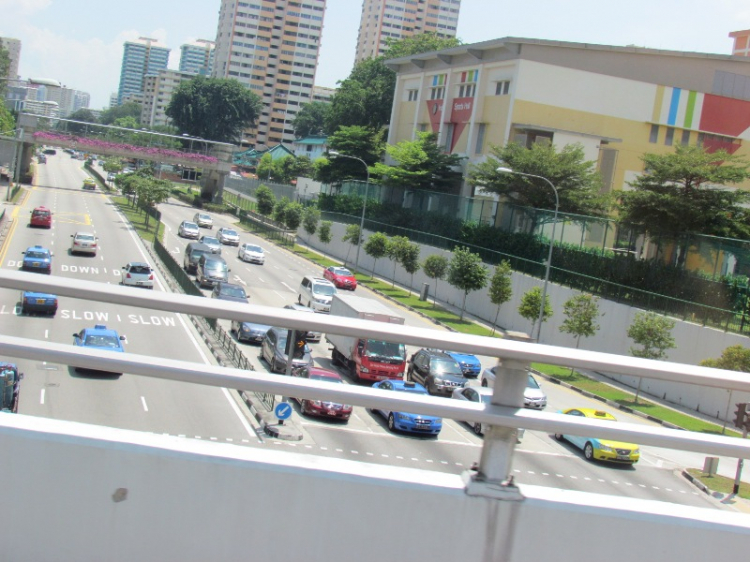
(690, 109)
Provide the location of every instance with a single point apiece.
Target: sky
(80, 42)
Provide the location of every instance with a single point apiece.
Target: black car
(229, 292)
(437, 371)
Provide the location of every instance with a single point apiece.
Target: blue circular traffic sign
(283, 410)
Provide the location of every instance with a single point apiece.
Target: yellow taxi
(88, 183)
(600, 449)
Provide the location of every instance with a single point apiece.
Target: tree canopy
(311, 119)
(733, 358)
(129, 109)
(420, 43)
(421, 164)
(216, 109)
(467, 273)
(4, 70)
(357, 141)
(686, 191)
(577, 181)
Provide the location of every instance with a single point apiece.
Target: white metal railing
(512, 353)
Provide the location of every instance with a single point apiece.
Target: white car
(212, 242)
(479, 394)
(228, 236)
(252, 253)
(203, 220)
(137, 274)
(533, 395)
(83, 243)
(189, 229)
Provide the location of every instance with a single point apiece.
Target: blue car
(99, 337)
(470, 365)
(249, 331)
(41, 303)
(402, 421)
(37, 258)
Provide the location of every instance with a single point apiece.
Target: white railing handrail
(211, 375)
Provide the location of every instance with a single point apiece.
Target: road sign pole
(740, 462)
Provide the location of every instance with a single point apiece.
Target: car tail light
(127, 276)
(151, 277)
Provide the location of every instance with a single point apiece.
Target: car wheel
(409, 375)
(391, 422)
(484, 383)
(303, 408)
(588, 452)
(299, 299)
(559, 437)
(477, 428)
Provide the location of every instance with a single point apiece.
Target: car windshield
(41, 214)
(190, 225)
(325, 378)
(445, 367)
(110, 342)
(342, 271)
(251, 248)
(327, 290)
(204, 217)
(531, 382)
(486, 398)
(85, 237)
(385, 350)
(215, 266)
(210, 240)
(38, 254)
(233, 291)
(281, 344)
(228, 232)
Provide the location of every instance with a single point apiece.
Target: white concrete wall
(87, 493)
(694, 342)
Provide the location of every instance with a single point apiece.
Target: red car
(321, 408)
(41, 216)
(341, 277)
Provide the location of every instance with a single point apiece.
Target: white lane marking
(46, 333)
(177, 251)
(263, 280)
(240, 281)
(143, 401)
(288, 287)
(41, 398)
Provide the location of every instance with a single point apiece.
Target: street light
(551, 243)
(364, 206)
(268, 149)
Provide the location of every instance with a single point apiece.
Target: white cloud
(10, 8)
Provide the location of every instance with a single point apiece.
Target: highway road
(197, 412)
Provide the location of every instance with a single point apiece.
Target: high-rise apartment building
(197, 57)
(13, 46)
(741, 42)
(157, 93)
(272, 47)
(140, 58)
(395, 19)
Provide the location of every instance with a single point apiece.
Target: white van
(317, 293)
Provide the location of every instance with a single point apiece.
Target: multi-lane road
(198, 412)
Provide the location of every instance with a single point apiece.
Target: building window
(466, 90)
(654, 137)
(448, 138)
(412, 95)
(685, 138)
(502, 88)
(669, 137)
(480, 138)
(437, 93)
(422, 127)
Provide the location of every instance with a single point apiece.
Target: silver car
(137, 274)
(203, 220)
(533, 395)
(228, 236)
(189, 229)
(83, 243)
(212, 242)
(311, 336)
(252, 253)
(273, 350)
(479, 394)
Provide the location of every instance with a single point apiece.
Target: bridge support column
(212, 185)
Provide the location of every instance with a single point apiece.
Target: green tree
(421, 164)
(581, 314)
(127, 122)
(279, 209)
(266, 200)
(311, 119)
(733, 358)
(4, 72)
(324, 234)
(353, 236)
(500, 287)
(83, 114)
(151, 192)
(7, 122)
(677, 194)
(419, 43)
(394, 251)
(435, 267)
(531, 302)
(467, 273)
(217, 109)
(359, 142)
(577, 181)
(129, 109)
(113, 164)
(653, 333)
(410, 261)
(293, 215)
(376, 247)
(310, 220)
(265, 167)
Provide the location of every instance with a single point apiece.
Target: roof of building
(45, 82)
(312, 140)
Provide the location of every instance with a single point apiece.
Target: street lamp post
(268, 150)
(364, 206)
(551, 243)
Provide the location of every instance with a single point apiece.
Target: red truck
(367, 359)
